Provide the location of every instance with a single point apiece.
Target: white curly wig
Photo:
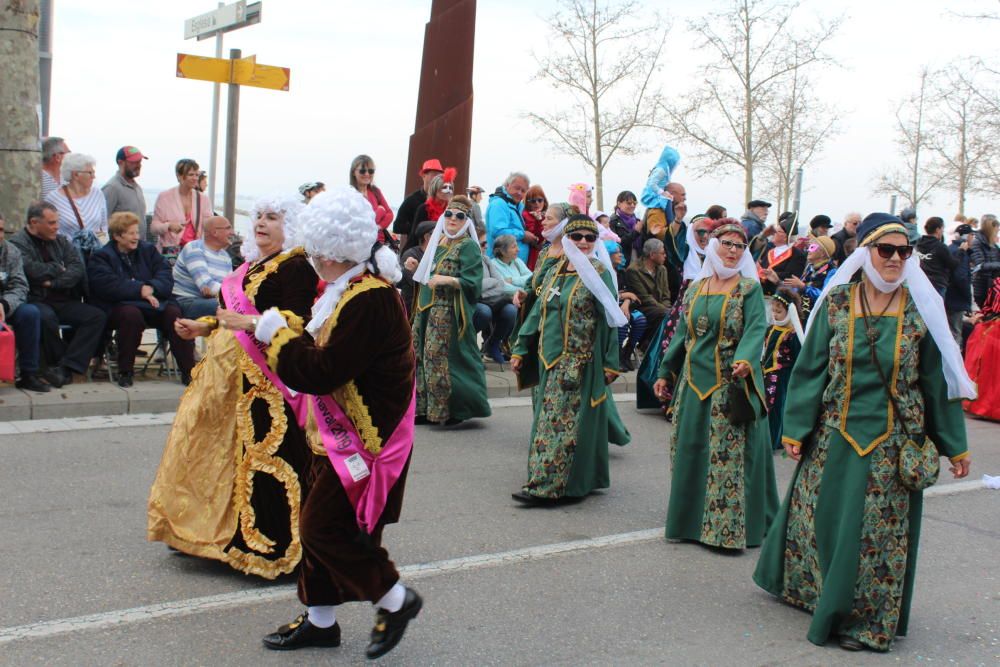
(288, 206)
(339, 225)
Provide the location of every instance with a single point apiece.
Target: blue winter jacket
(115, 282)
(958, 296)
(503, 216)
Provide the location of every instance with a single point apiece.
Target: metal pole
(798, 191)
(232, 132)
(892, 205)
(214, 149)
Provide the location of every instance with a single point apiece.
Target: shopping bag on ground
(6, 353)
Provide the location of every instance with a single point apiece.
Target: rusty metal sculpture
(443, 127)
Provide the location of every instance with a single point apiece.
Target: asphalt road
(592, 583)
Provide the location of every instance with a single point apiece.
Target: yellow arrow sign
(245, 71)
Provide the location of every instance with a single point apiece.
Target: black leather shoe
(851, 644)
(528, 499)
(300, 633)
(390, 626)
(57, 376)
(32, 383)
(125, 380)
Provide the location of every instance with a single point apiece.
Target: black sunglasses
(458, 215)
(536, 200)
(701, 232)
(364, 171)
(885, 250)
(578, 236)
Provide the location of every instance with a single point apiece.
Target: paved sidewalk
(151, 394)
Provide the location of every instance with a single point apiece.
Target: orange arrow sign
(245, 71)
(204, 69)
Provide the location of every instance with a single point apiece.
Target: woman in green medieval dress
(844, 544)
(451, 379)
(568, 346)
(722, 490)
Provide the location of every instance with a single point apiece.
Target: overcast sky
(355, 72)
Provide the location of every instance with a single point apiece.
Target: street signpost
(215, 24)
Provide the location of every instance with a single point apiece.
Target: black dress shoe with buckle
(300, 633)
(57, 376)
(390, 625)
(851, 644)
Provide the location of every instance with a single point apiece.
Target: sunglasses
(578, 236)
(458, 215)
(701, 232)
(731, 245)
(536, 200)
(364, 171)
(885, 250)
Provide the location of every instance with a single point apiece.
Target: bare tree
(963, 131)
(726, 119)
(916, 178)
(799, 126)
(606, 60)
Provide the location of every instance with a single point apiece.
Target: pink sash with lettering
(238, 302)
(367, 478)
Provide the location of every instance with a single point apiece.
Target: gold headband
(891, 228)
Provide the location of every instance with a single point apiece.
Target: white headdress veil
(423, 272)
(791, 318)
(692, 265)
(714, 264)
(592, 281)
(929, 304)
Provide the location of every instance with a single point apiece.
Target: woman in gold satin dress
(233, 473)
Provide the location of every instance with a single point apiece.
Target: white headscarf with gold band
(713, 262)
(928, 301)
(592, 280)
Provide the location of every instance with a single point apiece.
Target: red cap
(431, 165)
(129, 154)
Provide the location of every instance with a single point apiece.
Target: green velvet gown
(566, 346)
(451, 378)
(722, 487)
(844, 544)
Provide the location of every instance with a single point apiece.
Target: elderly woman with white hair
(237, 452)
(83, 212)
(355, 359)
(873, 403)
(722, 488)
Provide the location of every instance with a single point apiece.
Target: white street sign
(216, 21)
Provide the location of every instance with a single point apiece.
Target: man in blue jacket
(503, 215)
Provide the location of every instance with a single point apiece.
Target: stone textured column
(20, 148)
(443, 127)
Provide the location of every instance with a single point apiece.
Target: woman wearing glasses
(722, 489)
(568, 347)
(819, 269)
(535, 206)
(439, 192)
(878, 348)
(362, 177)
(451, 379)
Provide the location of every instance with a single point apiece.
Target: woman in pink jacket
(179, 207)
(362, 175)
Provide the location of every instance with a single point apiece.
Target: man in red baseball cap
(404, 223)
(122, 192)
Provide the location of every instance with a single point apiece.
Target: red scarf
(435, 207)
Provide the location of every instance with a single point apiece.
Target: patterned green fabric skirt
(844, 544)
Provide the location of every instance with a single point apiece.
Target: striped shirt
(198, 267)
(93, 210)
(49, 184)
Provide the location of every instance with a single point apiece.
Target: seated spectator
(630, 334)
(53, 150)
(410, 260)
(132, 282)
(623, 223)
(200, 269)
(83, 212)
(180, 212)
(495, 314)
(503, 214)
(516, 275)
(310, 190)
(56, 283)
(647, 279)
(22, 318)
